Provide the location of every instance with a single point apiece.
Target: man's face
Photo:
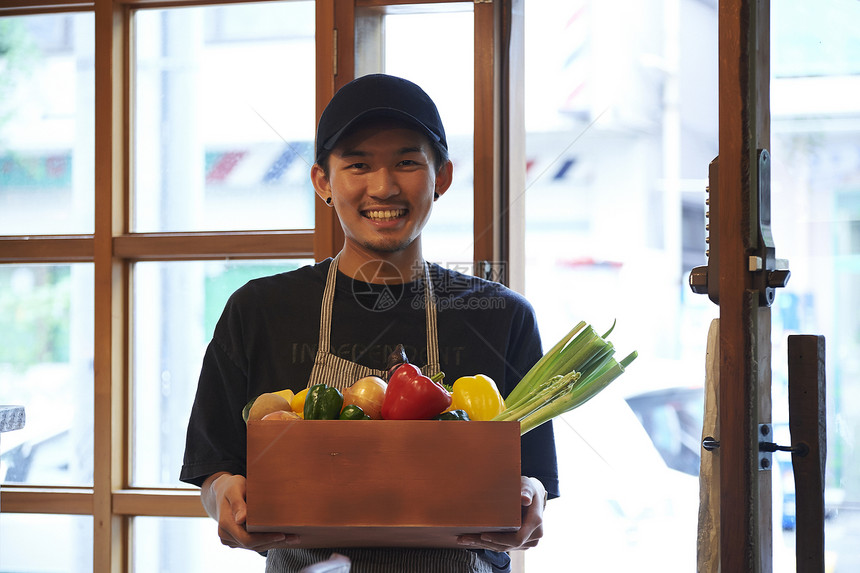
(382, 181)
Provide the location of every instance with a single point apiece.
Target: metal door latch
(770, 273)
(765, 447)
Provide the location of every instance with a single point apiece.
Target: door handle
(807, 424)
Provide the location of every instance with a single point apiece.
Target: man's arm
(223, 498)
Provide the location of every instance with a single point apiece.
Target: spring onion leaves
(575, 370)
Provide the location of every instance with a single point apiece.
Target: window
(448, 239)
(224, 118)
(621, 126)
(46, 362)
(71, 542)
(385, 40)
(224, 141)
(815, 197)
(176, 305)
(46, 124)
(187, 544)
(621, 123)
(105, 311)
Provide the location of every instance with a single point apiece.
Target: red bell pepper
(413, 396)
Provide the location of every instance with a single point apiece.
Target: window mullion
(112, 26)
(485, 228)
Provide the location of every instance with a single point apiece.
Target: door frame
(746, 528)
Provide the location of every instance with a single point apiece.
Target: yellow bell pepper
(478, 395)
(298, 402)
(287, 394)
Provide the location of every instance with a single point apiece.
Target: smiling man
(382, 180)
(381, 163)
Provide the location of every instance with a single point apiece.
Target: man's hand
(223, 497)
(533, 500)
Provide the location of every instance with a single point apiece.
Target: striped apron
(340, 373)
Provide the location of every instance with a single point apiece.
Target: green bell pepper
(323, 402)
(453, 415)
(353, 412)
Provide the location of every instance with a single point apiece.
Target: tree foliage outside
(35, 305)
(18, 54)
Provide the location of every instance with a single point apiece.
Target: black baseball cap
(378, 95)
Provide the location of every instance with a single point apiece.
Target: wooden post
(807, 422)
(745, 520)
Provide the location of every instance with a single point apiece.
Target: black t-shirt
(268, 334)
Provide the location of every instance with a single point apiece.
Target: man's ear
(321, 183)
(444, 177)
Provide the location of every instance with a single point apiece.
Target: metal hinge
(483, 1)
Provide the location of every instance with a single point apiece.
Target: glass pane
(46, 365)
(448, 237)
(47, 103)
(23, 542)
(621, 119)
(224, 117)
(815, 200)
(186, 544)
(176, 306)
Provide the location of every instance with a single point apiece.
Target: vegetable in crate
(298, 402)
(478, 395)
(287, 394)
(265, 404)
(323, 402)
(395, 359)
(367, 393)
(281, 416)
(413, 396)
(453, 415)
(353, 412)
(575, 370)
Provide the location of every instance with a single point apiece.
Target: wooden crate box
(340, 483)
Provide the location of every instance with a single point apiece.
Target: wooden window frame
(113, 249)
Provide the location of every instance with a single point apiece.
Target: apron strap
(326, 307)
(433, 365)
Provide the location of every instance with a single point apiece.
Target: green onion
(540, 371)
(575, 370)
(544, 394)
